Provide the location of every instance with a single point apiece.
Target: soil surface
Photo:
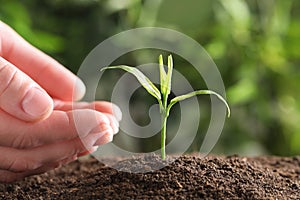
(188, 177)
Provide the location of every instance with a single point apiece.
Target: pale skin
(42, 125)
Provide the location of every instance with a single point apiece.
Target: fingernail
(101, 129)
(117, 112)
(37, 102)
(79, 90)
(94, 149)
(104, 139)
(116, 126)
(104, 134)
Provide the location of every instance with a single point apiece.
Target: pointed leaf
(145, 82)
(162, 74)
(169, 74)
(199, 92)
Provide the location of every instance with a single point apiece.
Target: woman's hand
(41, 127)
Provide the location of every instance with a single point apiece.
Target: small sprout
(162, 95)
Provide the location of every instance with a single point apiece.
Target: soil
(188, 177)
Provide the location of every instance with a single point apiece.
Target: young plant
(162, 94)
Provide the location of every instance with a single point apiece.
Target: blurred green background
(255, 44)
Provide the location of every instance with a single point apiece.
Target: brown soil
(189, 177)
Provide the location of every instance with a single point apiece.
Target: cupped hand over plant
(40, 127)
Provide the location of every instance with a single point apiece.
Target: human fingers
(59, 126)
(49, 74)
(20, 96)
(111, 110)
(9, 176)
(84, 153)
(23, 160)
(101, 106)
(114, 123)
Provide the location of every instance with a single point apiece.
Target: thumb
(20, 96)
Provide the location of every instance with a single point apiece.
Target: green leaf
(163, 75)
(199, 92)
(169, 74)
(145, 82)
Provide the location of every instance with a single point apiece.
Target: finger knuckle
(8, 75)
(23, 165)
(23, 141)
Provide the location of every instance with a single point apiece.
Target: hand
(40, 125)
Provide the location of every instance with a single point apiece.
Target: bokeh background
(255, 44)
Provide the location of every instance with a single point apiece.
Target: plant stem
(163, 135)
(164, 116)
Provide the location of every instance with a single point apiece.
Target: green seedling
(162, 94)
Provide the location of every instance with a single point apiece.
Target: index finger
(59, 82)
